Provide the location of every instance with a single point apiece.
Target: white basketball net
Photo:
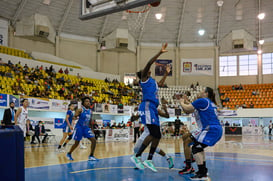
(136, 17)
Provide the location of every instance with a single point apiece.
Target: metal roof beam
(66, 13)
(18, 11)
(103, 28)
(179, 33)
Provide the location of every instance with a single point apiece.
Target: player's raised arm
(162, 81)
(145, 71)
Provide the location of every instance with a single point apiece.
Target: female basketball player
(82, 129)
(67, 127)
(148, 113)
(210, 129)
(21, 116)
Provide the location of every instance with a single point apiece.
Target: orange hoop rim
(144, 11)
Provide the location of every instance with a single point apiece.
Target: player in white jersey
(21, 116)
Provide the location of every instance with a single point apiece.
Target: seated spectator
(41, 68)
(8, 74)
(1, 62)
(61, 71)
(18, 65)
(25, 67)
(78, 76)
(40, 131)
(251, 105)
(9, 63)
(114, 126)
(30, 131)
(227, 123)
(119, 126)
(66, 71)
(240, 87)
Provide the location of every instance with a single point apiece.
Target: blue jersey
(70, 113)
(207, 112)
(84, 118)
(149, 91)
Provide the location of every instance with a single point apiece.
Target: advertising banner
(227, 113)
(160, 67)
(106, 108)
(98, 107)
(3, 100)
(113, 109)
(4, 29)
(15, 99)
(58, 105)
(37, 103)
(58, 123)
(197, 67)
(118, 134)
(127, 110)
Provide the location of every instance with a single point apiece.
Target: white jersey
(136, 124)
(22, 118)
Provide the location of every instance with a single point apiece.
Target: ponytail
(211, 94)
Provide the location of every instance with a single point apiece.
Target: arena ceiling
(180, 22)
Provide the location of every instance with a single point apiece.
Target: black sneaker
(186, 170)
(199, 176)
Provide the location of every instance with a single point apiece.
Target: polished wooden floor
(46, 154)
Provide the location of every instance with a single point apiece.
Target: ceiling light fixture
(260, 52)
(201, 32)
(158, 16)
(261, 42)
(261, 16)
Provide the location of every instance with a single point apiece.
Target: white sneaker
(82, 147)
(150, 165)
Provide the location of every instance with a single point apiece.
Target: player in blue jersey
(82, 129)
(67, 127)
(210, 129)
(149, 113)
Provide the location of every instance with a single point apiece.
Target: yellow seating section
(19, 80)
(14, 52)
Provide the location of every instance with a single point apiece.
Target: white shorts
(140, 140)
(195, 133)
(23, 128)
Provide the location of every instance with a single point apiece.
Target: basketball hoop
(135, 18)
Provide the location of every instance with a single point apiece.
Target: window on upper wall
(267, 61)
(248, 64)
(228, 66)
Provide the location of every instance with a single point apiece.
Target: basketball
(155, 4)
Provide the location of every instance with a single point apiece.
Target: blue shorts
(148, 113)
(211, 135)
(82, 131)
(67, 129)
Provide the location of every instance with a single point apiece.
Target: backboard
(97, 8)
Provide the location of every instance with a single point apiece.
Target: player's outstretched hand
(163, 49)
(168, 68)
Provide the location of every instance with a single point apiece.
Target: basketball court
(233, 158)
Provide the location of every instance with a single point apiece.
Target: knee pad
(69, 137)
(197, 148)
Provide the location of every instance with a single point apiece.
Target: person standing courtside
(270, 126)
(136, 123)
(9, 114)
(177, 124)
(21, 116)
